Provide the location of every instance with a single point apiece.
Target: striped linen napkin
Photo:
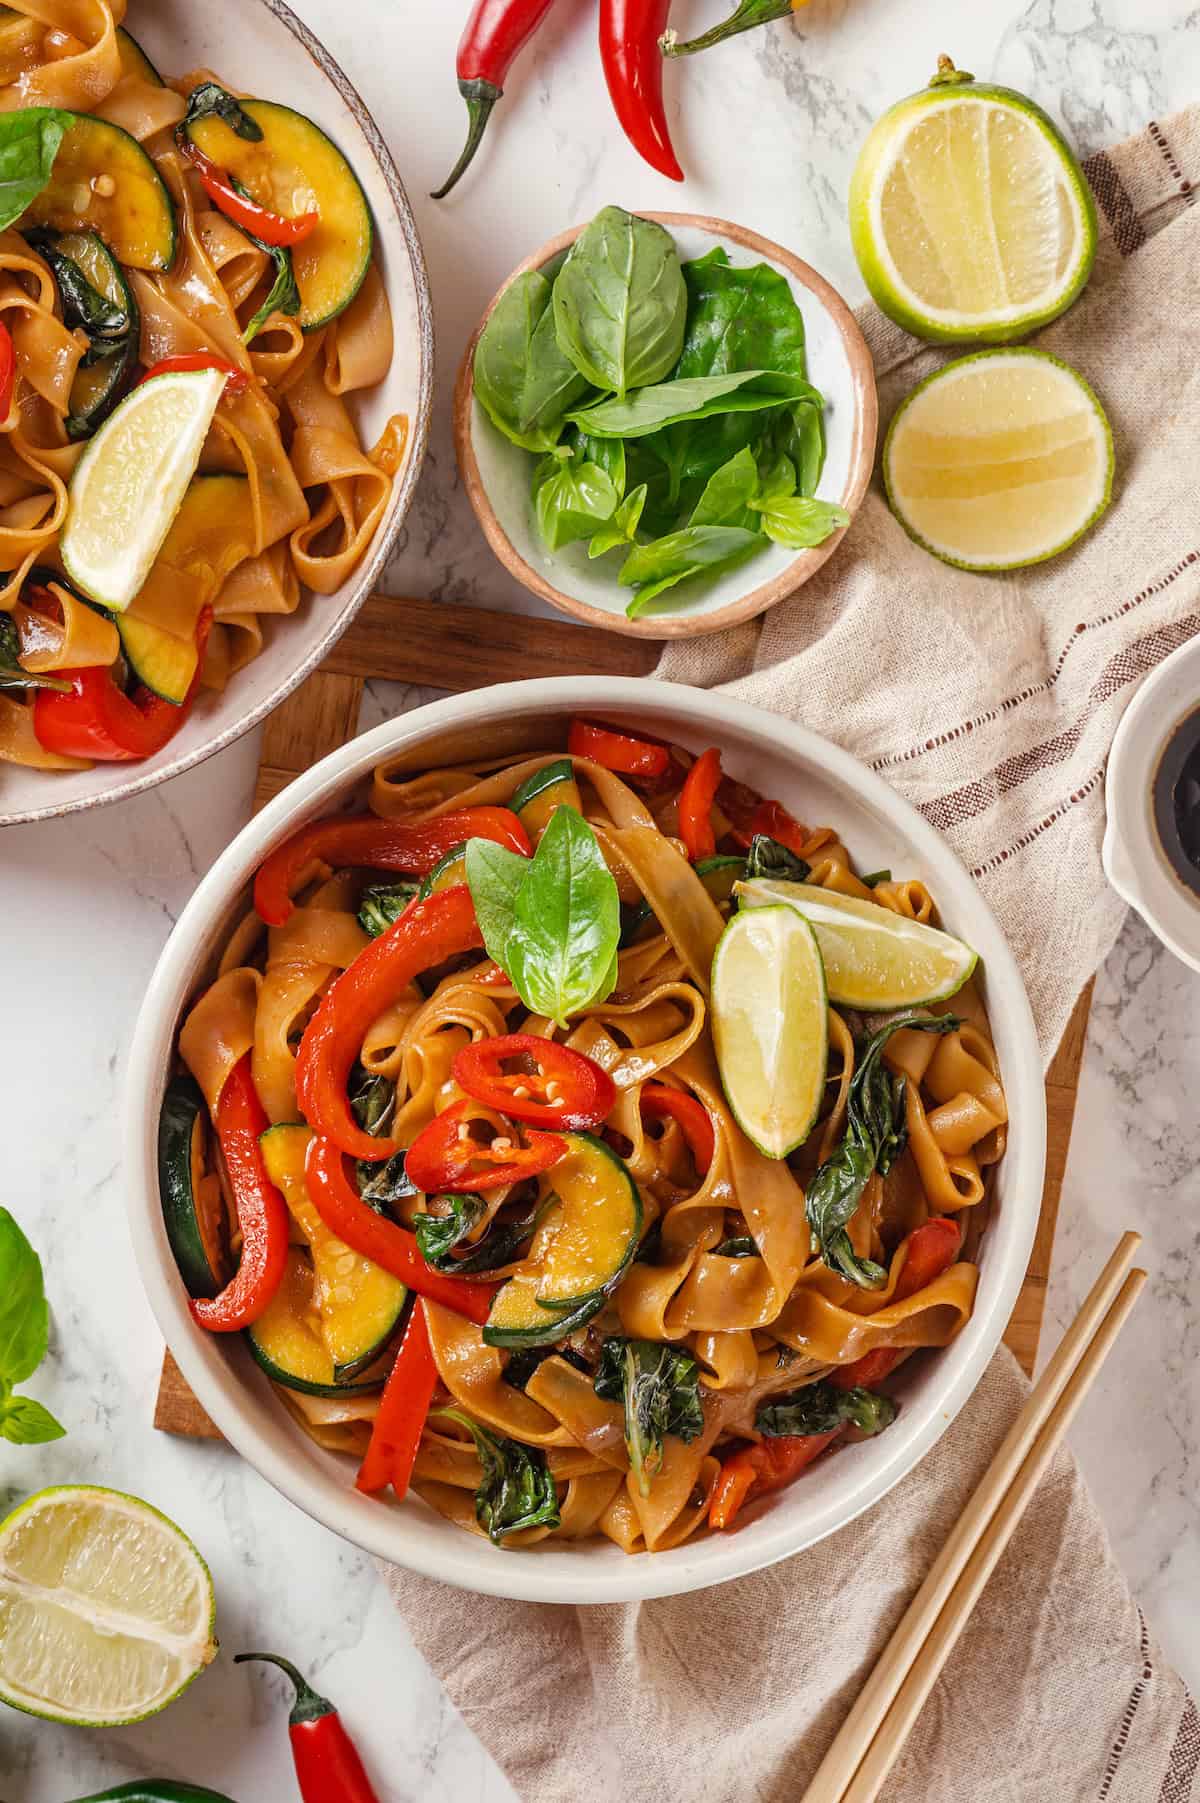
(990, 702)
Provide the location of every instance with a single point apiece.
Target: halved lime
(999, 460)
(131, 480)
(969, 213)
(874, 960)
(770, 1025)
(106, 1608)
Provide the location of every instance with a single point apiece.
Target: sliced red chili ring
(556, 1087)
(445, 1156)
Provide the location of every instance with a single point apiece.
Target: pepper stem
(309, 1706)
(481, 97)
(947, 76)
(749, 14)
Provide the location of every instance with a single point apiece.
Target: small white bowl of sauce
(1151, 850)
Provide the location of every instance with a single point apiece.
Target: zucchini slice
(516, 1318)
(451, 868)
(296, 169)
(127, 201)
(551, 787)
(358, 1304)
(160, 659)
(590, 1234)
(192, 1204)
(134, 60)
(288, 1340)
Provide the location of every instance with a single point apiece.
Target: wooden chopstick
(873, 1733)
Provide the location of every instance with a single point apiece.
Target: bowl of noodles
(207, 193)
(453, 1176)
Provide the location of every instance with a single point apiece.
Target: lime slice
(969, 214)
(129, 483)
(106, 1608)
(999, 460)
(770, 1025)
(874, 960)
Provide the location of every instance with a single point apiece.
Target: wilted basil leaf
(767, 857)
(821, 1408)
(516, 1491)
(659, 1387)
(382, 904)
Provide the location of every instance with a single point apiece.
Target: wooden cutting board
(435, 645)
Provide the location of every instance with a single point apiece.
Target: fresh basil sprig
(874, 1138)
(516, 1490)
(24, 1337)
(659, 1387)
(821, 1408)
(29, 141)
(552, 922)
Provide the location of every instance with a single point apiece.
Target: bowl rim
(476, 1565)
(805, 563)
(403, 489)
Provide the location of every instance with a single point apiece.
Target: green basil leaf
(24, 1317)
(740, 318)
(523, 382)
(494, 877)
(801, 435)
(284, 295)
(516, 1490)
(25, 1422)
(566, 921)
(727, 494)
(801, 522)
(571, 500)
(29, 141)
(12, 677)
(621, 530)
(822, 1408)
(650, 409)
(767, 857)
(211, 100)
(692, 551)
(441, 1237)
(607, 453)
(620, 304)
(776, 474)
(659, 1387)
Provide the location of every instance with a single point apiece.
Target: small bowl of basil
(665, 423)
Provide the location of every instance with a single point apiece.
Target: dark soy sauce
(1177, 801)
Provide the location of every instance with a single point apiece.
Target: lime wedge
(106, 1608)
(999, 460)
(874, 960)
(129, 483)
(969, 214)
(770, 1025)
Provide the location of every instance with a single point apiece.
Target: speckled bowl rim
(766, 594)
(402, 493)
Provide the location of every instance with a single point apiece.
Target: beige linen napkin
(990, 702)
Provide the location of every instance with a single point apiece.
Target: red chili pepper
(328, 1768)
(695, 806)
(754, 1470)
(8, 370)
(439, 1159)
(493, 37)
(633, 68)
(772, 819)
(398, 1427)
(366, 840)
(259, 221)
(94, 719)
(262, 1213)
(584, 1091)
(237, 379)
(932, 1249)
(616, 750)
(658, 1100)
(425, 935)
(346, 1214)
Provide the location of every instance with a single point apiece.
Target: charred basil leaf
(741, 1246)
(211, 99)
(516, 1491)
(659, 1387)
(821, 1408)
(383, 904)
(767, 857)
(522, 1365)
(439, 1235)
(373, 1101)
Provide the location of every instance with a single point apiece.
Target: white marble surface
(769, 129)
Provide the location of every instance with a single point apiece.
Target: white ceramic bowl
(820, 782)
(261, 46)
(1134, 860)
(496, 474)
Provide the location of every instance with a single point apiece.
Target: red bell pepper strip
(8, 370)
(426, 934)
(259, 221)
(445, 1157)
(366, 840)
(748, 14)
(494, 36)
(556, 1088)
(348, 1217)
(262, 1213)
(94, 719)
(633, 69)
(657, 1101)
(769, 1465)
(932, 1249)
(237, 380)
(695, 806)
(616, 750)
(398, 1427)
(328, 1768)
(770, 818)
